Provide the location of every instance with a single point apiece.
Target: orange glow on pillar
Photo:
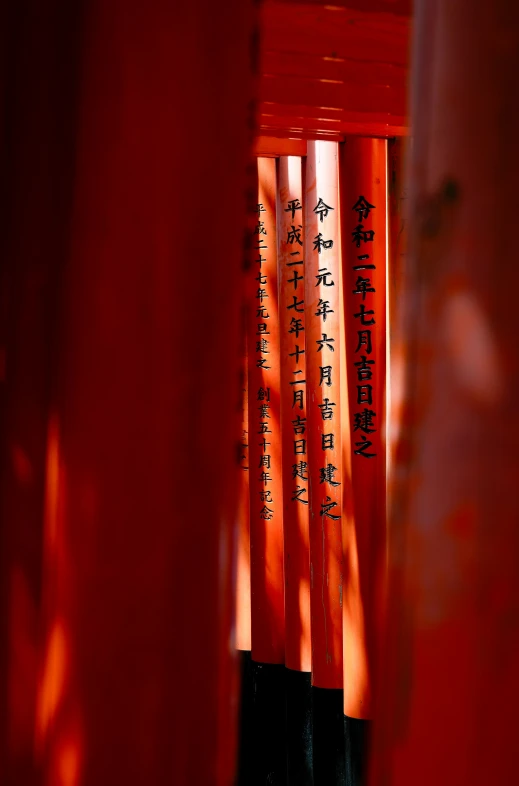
(322, 393)
(266, 491)
(243, 621)
(364, 227)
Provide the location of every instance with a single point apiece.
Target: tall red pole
(243, 551)
(453, 641)
(141, 449)
(322, 334)
(36, 188)
(398, 202)
(266, 486)
(293, 366)
(398, 218)
(298, 644)
(364, 230)
(267, 603)
(243, 617)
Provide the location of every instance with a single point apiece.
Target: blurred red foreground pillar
(136, 684)
(452, 681)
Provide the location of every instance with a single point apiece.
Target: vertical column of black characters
(300, 468)
(327, 702)
(363, 420)
(356, 730)
(262, 362)
(296, 327)
(298, 684)
(325, 345)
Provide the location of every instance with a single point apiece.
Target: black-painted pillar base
(245, 736)
(328, 737)
(268, 759)
(292, 734)
(357, 734)
(299, 728)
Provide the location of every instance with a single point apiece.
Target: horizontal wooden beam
(359, 124)
(329, 114)
(298, 134)
(384, 131)
(336, 69)
(335, 32)
(272, 147)
(354, 97)
(332, 70)
(396, 7)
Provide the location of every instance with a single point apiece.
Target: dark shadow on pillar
(299, 728)
(245, 740)
(328, 737)
(356, 746)
(269, 755)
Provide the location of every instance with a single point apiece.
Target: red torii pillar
(364, 240)
(266, 490)
(296, 528)
(136, 679)
(451, 688)
(324, 439)
(37, 108)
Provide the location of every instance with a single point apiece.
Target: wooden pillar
(141, 453)
(364, 230)
(322, 311)
(243, 555)
(243, 620)
(38, 98)
(243, 584)
(451, 688)
(398, 220)
(267, 606)
(266, 487)
(298, 645)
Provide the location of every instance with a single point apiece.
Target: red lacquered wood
(322, 392)
(266, 488)
(345, 115)
(335, 69)
(36, 143)
(329, 59)
(267, 146)
(302, 124)
(455, 592)
(399, 7)
(398, 209)
(364, 227)
(324, 93)
(335, 32)
(137, 657)
(294, 128)
(291, 268)
(243, 589)
(398, 201)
